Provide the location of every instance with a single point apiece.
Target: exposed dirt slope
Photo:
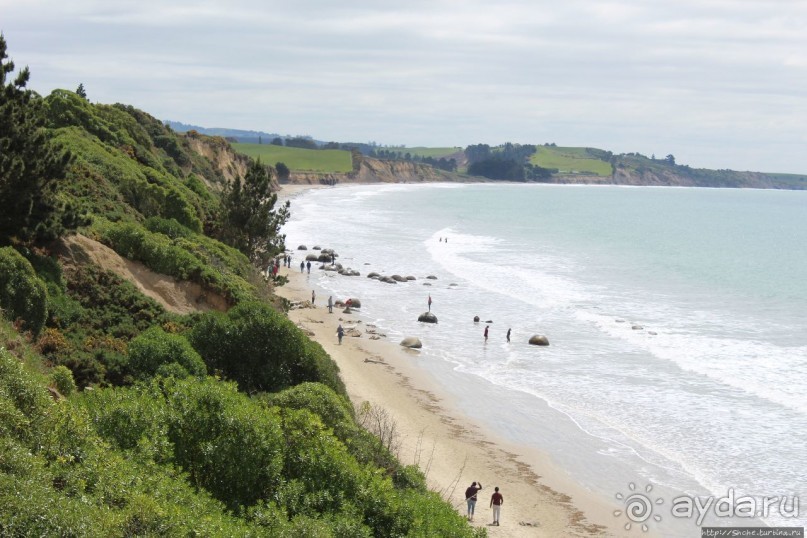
(175, 296)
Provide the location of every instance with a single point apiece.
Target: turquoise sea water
(677, 320)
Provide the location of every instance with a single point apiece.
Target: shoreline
(451, 449)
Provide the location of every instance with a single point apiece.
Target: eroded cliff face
(221, 155)
(378, 171)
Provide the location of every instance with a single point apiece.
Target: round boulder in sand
(539, 340)
(412, 342)
(427, 317)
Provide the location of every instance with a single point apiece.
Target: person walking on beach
(430, 302)
(340, 332)
(308, 265)
(508, 336)
(302, 266)
(330, 304)
(486, 332)
(496, 502)
(470, 498)
(313, 297)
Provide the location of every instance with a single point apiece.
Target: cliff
(371, 170)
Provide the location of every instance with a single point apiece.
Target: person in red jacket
(496, 502)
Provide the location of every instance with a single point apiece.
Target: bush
(22, 294)
(261, 349)
(62, 378)
(155, 348)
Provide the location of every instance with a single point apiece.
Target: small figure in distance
(430, 302)
(486, 332)
(302, 266)
(313, 297)
(330, 304)
(470, 498)
(340, 332)
(496, 502)
(308, 265)
(508, 335)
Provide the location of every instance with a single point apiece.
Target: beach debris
(410, 277)
(373, 361)
(489, 321)
(375, 337)
(354, 332)
(452, 284)
(427, 284)
(427, 317)
(373, 275)
(652, 333)
(302, 247)
(529, 523)
(349, 272)
(476, 319)
(412, 342)
(539, 340)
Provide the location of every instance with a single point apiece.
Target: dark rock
(410, 277)
(373, 275)
(312, 258)
(539, 340)
(427, 317)
(302, 247)
(398, 278)
(431, 277)
(476, 319)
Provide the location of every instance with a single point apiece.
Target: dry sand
(540, 499)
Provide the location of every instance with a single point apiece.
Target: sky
(716, 83)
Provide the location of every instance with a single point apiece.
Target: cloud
(705, 80)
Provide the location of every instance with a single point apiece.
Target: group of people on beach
(496, 501)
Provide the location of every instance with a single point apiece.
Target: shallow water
(707, 393)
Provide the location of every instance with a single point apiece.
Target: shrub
(261, 349)
(22, 294)
(154, 348)
(62, 378)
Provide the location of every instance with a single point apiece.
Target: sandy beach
(451, 450)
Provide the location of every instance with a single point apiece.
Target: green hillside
(567, 160)
(299, 159)
(421, 151)
(119, 418)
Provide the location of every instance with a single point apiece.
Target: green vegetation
(584, 161)
(420, 151)
(30, 164)
(300, 159)
(109, 422)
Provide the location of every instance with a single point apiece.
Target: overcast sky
(717, 83)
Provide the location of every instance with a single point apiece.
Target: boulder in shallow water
(312, 258)
(302, 247)
(354, 302)
(373, 275)
(427, 317)
(637, 327)
(476, 319)
(539, 340)
(398, 278)
(431, 277)
(412, 342)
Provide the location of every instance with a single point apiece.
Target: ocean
(677, 322)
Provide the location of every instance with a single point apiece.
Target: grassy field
(570, 161)
(427, 152)
(299, 159)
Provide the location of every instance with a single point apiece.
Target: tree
(30, 165)
(277, 141)
(670, 159)
(282, 171)
(250, 222)
(80, 91)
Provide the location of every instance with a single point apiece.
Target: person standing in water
(429, 302)
(486, 332)
(508, 335)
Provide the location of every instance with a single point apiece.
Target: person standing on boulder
(430, 302)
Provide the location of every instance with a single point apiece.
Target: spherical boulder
(427, 317)
(412, 342)
(302, 247)
(539, 340)
(476, 319)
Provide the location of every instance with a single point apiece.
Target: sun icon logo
(638, 507)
